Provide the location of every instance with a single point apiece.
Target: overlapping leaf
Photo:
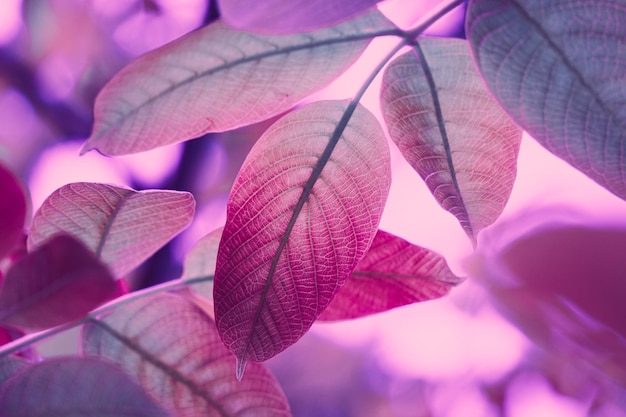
(58, 282)
(295, 16)
(74, 386)
(13, 209)
(200, 263)
(216, 79)
(393, 273)
(121, 226)
(558, 67)
(298, 221)
(173, 349)
(451, 131)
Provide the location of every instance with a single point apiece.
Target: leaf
(217, 79)
(59, 282)
(121, 226)
(13, 210)
(200, 263)
(73, 386)
(451, 131)
(284, 17)
(393, 273)
(558, 68)
(173, 349)
(293, 233)
(10, 366)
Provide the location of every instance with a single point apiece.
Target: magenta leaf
(298, 221)
(173, 349)
(451, 131)
(13, 210)
(59, 282)
(393, 273)
(282, 17)
(121, 226)
(216, 79)
(73, 386)
(558, 67)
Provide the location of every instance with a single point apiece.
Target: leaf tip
(241, 367)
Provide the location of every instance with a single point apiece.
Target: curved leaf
(73, 386)
(13, 209)
(451, 131)
(295, 16)
(298, 221)
(121, 226)
(173, 349)
(216, 79)
(393, 273)
(59, 282)
(200, 263)
(558, 67)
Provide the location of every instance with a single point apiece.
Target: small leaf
(121, 226)
(298, 221)
(393, 273)
(73, 386)
(13, 210)
(558, 68)
(282, 17)
(451, 131)
(200, 263)
(173, 349)
(59, 282)
(217, 79)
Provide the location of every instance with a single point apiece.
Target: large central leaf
(294, 233)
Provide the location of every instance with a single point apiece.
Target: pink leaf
(451, 131)
(393, 273)
(559, 69)
(295, 16)
(298, 221)
(13, 210)
(73, 386)
(217, 79)
(59, 282)
(121, 226)
(173, 349)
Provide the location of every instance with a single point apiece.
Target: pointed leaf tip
(241, 367)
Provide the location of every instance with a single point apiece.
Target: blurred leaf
(558, 67)
(298, 221)
(73, 386)
(13, 210)
(393, 273)
(451, 131)
(217, 79)
(10, 366)
(121, 226)
(59, 282)
(173, 349)
(283, 17)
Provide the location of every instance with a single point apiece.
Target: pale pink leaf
(74, 386)
(13, 210)
(200, 263)
(173, 349)
(451, 131)
(298, 221)
(121, 226)
(558, 68)
(293, 16)
(58, 282)
(217, 79)
(393, 273)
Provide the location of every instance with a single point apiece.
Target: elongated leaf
(174, 351)
(58, 282)
(217, 79)
(121, 226)
(393, 273)
(451, 131)
(73, 386)
(558, 67)
(294, 16)
(294, 233)
(13, 209)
